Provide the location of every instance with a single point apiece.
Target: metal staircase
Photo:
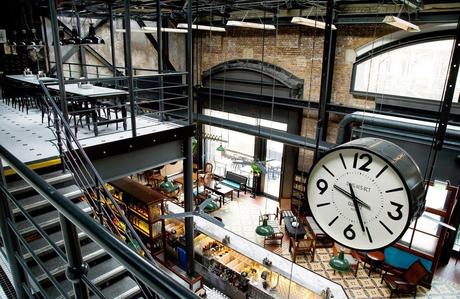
(106, 273)
(62, 234)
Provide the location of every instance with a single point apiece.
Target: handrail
(163, 284)
(93, 170)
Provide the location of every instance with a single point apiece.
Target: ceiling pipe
(392, 122)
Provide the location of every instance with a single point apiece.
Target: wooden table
(221, 190)
(376, 259)
(295, 232)
(91, 95)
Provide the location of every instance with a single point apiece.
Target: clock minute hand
(350, 196)
(355, 203)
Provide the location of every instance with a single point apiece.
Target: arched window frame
(389, 100)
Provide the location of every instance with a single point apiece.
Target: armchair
(407, 281)
(302, 246)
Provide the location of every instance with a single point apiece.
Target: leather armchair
(407, 281)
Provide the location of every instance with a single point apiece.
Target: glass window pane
(436, 198)
(406, 71)
(424, 243)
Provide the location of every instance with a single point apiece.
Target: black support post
(129, 66)
(160, 60)
(188, 162)
(10, 242)
(81, 50)
(58, 58)
(76, 267)
(112, 39)
(326, 76)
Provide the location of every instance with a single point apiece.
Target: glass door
(274, 159)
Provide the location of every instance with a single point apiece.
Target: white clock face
(358, 199)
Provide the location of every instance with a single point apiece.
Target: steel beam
(326, 76)
(112, 39)
(167, 63)
(188, 163)
(129, 66)
(161, 105)
(58, 58)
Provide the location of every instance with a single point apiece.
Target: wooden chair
(351, 256)
(406, 282)
(302, 246)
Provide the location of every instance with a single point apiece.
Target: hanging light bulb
(14, 38)
(92, 38)
(34, 39)
(23, 39)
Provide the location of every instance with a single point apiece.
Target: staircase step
(41, 246)
(51, 178)
(99, 274)
(122, 289)
(37, 201)
(56, 266)
(47, 220)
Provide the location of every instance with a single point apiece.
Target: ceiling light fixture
(400, 23)
(202, 27)
(153, 30)
(92, 38)
(250, 25)
(310, 23)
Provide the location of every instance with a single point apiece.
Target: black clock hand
(351, 197)
(355, 203)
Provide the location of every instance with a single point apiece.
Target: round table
(376, 259)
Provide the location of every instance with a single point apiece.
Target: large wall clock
(365, 193)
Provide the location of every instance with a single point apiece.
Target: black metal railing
(158, 283)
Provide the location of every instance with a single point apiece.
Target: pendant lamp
(74, 39)
(264, 230)
(339, 262)
(212, 206)
(220, 148)
(92, 38)
(167, 185)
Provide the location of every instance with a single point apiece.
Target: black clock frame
(415, 192)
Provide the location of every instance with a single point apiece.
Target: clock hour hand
(355, 203)
(350, 196)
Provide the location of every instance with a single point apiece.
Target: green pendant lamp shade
(212, 206)
(264, 230)
(167, 185)
(220, 148)
(339, 262)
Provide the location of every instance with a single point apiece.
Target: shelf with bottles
(144, 207)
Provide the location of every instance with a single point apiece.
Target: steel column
(188, 207)
(188, 162)
(81, 51)
(112, 39)
(326, 76)
(58, 58)
(160, 60)
(10, 242)
(76, 267)
(129, 66)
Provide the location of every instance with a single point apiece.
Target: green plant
(194, 145)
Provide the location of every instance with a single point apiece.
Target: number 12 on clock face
(358, 198)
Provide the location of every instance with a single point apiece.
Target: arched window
(411, 74)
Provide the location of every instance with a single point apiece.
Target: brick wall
(299, 50)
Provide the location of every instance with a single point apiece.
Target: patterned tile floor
(242, 214)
